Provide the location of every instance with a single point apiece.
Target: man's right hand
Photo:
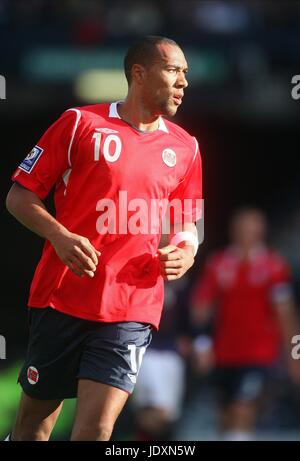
(76, 252)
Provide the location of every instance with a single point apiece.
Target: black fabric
(63, 349)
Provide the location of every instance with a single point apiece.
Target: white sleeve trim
(78, 116)
(196, 150)
(195, 154)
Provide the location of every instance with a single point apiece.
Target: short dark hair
(144, 52)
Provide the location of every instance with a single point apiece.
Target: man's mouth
(178, 100)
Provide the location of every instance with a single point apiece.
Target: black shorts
(63, 349)
(241, 384)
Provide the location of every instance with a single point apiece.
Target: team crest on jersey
(32, 375)
(169, 157)
(106, 130)
(31, 159)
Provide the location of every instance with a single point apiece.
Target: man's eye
(171, 70)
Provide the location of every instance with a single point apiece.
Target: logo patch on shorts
(132, 377)
(31, 159)
(32, 375)
(169, 157)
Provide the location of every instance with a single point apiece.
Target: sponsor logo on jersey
(31, 159)
(169, 157)
(32, 375)
(106, 130)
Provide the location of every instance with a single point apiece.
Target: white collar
(113, 113)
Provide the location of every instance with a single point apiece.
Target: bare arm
(289, 325)
(201, 314)
(75, 251)
(203, 358)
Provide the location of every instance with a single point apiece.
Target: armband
(185, 236)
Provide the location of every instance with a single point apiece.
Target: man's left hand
(175, 261)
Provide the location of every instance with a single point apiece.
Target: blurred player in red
(98, 289)
(247, 288)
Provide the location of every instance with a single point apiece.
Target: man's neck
(249, 252)
(137, 116)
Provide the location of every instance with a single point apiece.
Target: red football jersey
(244, 292)
(110, 180)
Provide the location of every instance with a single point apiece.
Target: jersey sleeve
(51, 157)
(189, 192)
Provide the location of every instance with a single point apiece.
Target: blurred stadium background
(242, 56)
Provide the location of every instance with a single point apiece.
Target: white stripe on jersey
(78, 116)
(196, 150)
(66, 176)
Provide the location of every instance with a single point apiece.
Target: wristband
(185, 237)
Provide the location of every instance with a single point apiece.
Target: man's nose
(181, 80)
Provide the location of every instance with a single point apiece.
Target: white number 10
(106, 145)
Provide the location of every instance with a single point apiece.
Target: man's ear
(138, 73)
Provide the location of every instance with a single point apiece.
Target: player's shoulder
(181, 134)
(85, 114)
(225, 258)
(89, 112)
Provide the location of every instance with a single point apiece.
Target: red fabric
(127, 285)
(246, 328)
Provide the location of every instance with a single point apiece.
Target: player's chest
(113, 156)
(236, 275)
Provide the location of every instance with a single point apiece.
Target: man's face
(165, 81)
(249, 228)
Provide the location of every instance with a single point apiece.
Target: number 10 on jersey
(111, 147)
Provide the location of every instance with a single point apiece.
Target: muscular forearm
(74, 250)
(289, 322)
(30, 211)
